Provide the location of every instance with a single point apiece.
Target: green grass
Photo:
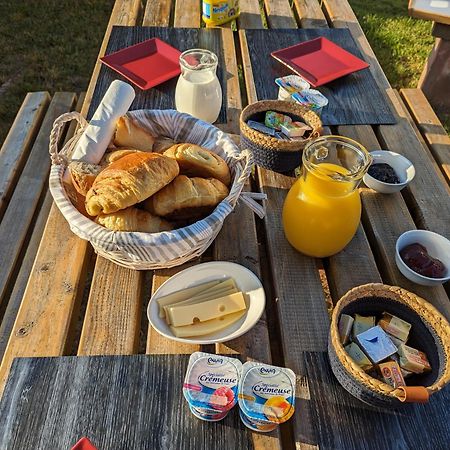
(400, 42)
(47, 45)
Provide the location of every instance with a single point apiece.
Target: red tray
(84, 444)
(319, 61)
(146, 64)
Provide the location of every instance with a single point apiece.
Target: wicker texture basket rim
(424, 309)
(264, 140)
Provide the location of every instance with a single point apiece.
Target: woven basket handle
(61, 157)
(249, 198)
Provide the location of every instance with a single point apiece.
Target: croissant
(187, 198)
(133, 219)
(128, 181)
(196, 161)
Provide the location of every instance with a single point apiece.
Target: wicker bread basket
(430, 332)
(272, 153)
(145, 251)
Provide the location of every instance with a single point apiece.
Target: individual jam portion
(384, 172)
(416, 257)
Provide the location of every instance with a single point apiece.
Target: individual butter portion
(396, 341)
(201, 312)
(345, 328)
(376, 344)
(395, 326)
(392, 374)
(362, 324)
(210, 326)
(183, 295)
(358, 356)
(413, 360)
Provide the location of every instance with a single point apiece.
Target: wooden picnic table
(77, 303)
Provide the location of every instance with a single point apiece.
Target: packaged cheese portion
(358, 356)
(208, 327)
(413, 360)
(376, 344)
(184, 294)
(345, 328)
(395, 326)
(212, 309)
(362, 324)
(392, 374)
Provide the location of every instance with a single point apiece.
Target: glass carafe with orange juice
(322, 210)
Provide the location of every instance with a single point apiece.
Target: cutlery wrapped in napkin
(95, 140)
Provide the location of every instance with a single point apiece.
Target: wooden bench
(24, 197)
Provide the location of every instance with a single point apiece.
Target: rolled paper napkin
(95, 140)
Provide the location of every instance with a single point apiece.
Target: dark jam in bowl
(384, 172)
(416, 257)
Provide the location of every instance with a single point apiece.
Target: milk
(199, 93)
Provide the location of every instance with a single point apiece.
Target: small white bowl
(437, 246)
(402, 166)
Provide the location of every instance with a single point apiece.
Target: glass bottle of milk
(198, 89)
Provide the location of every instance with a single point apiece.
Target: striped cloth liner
(145, 251)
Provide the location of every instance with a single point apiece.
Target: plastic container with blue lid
(266, 396)
(210, 385)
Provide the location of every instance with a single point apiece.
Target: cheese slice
(184, 294)
(212, 309)
(203, 297)
(210, 326)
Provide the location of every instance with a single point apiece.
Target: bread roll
(187, 198)
(76, 199)
(129, 134)
(195, 161)
(128, 181)
(83, 175)
(133, 219)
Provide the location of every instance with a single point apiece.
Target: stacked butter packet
(214, 384)
(380, 348)
(281, 126)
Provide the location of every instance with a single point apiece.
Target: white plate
(245, 280)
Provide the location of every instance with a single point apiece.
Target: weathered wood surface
(17, 145)
(347, 96)
(279, 14)
(162, 96)
(18, 216)
(430, 126)
(157, 14)
(187, 14)
(118, 402)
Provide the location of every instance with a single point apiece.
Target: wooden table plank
(187, 14)
(428, 194)
(157, 13)
(21, 208)
(250, 16)
(279, 14)
(430, 126)
(119, 402)
(45, 317)
(310, 14)
(113, 315)
(17, 145)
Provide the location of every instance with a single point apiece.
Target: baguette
(187, 198)
(129, 134)
(128, 181)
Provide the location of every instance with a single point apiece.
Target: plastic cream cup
(210, 385)
(266, 396)
(312, 99)
(289, 85)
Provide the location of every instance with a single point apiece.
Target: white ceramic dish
(403, 168)
(437, 246)
(245, 280)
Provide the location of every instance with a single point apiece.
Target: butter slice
(184, 294)
(210, 326)
(201, 312)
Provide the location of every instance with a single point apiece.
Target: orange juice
(321, 214)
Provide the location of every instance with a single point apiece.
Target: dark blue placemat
(353, 100)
